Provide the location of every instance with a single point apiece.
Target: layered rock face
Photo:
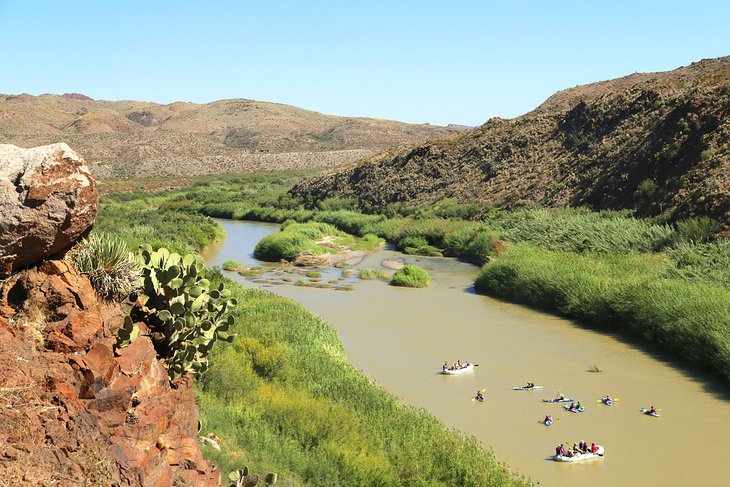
(48, 201)
(72, 412)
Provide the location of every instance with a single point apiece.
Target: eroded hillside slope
(656, 143)
(143, 139)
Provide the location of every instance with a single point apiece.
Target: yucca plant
(112, 269)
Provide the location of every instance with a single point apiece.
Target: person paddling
(480, 396)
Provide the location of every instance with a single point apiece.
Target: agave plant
(112, 269)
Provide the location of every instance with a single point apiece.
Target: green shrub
(411, 276)
(110, 266)
(296, 238)
(283, 245)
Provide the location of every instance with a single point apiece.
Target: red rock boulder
(48, 201)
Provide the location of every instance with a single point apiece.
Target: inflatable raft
(461, 370)
(580, 457)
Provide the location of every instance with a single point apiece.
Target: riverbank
(400, 337)
(657, 317)
(283, 398)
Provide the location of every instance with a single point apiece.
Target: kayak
(461, 370)
(607, 402)
(525, 388)
(558, 400)
(480, 399)
(574, 410)
(580, 457)
(648, 412)
(548, 422)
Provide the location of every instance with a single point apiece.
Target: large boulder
(48, 201)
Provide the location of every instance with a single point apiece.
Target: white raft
(580, 457)
(469, 367)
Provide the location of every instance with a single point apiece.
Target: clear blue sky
(440, 61)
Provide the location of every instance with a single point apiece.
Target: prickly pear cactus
(184, 315)
(127, 333)
(242, 478)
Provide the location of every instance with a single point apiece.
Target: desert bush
(112, 269)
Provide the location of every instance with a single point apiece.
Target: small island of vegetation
(411, 276)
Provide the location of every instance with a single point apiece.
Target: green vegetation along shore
(667, 285)
(282, 396)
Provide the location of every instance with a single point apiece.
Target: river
(400, 337)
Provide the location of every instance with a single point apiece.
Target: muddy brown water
(400, 337)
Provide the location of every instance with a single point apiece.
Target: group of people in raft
(457, 365)
(578, 449)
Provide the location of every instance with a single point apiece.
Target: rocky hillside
(74, 408)
(656, 143)
(141, 139)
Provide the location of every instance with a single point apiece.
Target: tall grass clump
(626, 292)
(112, 269)
(709, 261)
(696, 230)
(411, 276)
(580, 230)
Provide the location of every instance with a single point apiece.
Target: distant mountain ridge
(144, 139)
(655, 143)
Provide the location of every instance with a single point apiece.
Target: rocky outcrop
(75, 412)
(48, 201)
